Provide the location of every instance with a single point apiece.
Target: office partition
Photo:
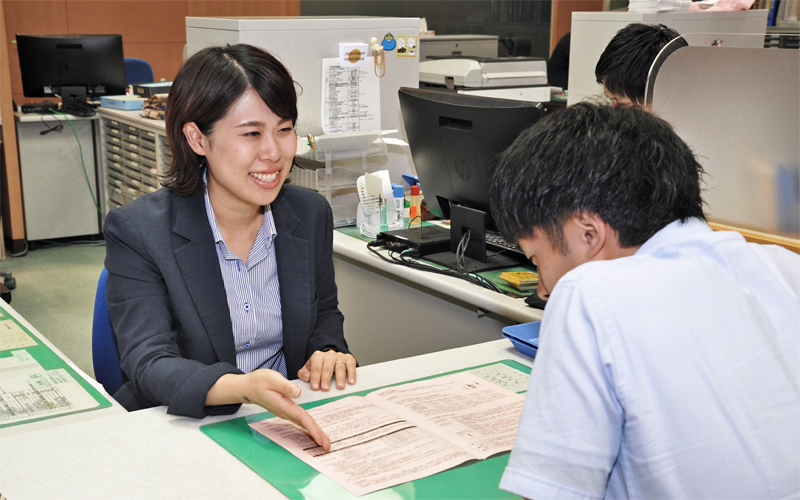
(738, 107)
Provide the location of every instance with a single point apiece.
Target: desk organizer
(126, 102)
(525, 337)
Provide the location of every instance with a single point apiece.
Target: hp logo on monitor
(463, 170)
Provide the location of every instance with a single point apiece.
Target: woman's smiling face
(249, 154)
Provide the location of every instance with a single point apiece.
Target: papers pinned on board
(351, 97)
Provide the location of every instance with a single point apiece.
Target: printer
(519, 78)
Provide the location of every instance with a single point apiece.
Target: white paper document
(28, 391)
(351, 98)
(406, 432)
(13, 337)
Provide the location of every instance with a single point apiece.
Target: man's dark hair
(624, 65)
(206, 87)
(625, 165)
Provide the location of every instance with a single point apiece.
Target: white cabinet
(57, 187)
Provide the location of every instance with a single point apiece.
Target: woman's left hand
(322, 366)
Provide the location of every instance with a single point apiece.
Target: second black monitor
(455, 139)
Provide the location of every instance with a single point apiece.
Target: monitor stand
(69, 94)
(476, 257)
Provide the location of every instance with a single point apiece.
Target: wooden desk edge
(752, 236)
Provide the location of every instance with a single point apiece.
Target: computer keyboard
(496, 240)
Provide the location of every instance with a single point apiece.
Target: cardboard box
(126, 102)
(150, 89)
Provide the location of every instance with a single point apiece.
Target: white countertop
(149, 454)
(515, 309)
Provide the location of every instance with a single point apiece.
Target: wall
(153, 30)
(562, 16)
(528, 18)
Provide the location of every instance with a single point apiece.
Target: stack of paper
(524, 281)
(650, 6)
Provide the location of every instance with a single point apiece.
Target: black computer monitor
(71, 66)
(455, 140)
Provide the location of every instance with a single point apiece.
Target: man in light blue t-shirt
(668, 359)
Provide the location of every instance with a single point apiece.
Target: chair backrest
(105, 354)
(138, 71)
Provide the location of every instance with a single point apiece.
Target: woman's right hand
(270, 390)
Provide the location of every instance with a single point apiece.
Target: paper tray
(525, 337)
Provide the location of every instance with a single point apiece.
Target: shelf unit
(134, 152)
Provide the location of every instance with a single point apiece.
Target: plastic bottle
(399, 200)
(415, 212)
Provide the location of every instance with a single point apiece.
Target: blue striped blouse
(254, 298)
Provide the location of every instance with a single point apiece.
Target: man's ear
(196, 139)
(593, 232)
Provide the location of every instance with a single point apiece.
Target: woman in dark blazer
(221, 284)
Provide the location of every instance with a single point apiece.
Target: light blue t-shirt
(673, 373)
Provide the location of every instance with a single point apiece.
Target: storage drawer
(131, 155)
(115, 195)
(113, 182)
(150, 180)
(110, 139)
(130, 129)
(114, 157)
(113, 132)
(114, 165)
(113, 124)
(146, 143)
(134, 183)
(146, 135)
(114, 149)
(128, 137)
(131, 167)
(146, 153)
(148, 165)
(131, 146)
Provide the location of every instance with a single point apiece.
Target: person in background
(558, 64)
(668, 355)
(624, 65)
(221, 285)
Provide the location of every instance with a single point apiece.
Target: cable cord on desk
(58, 128)
(404, 260)
(83, 164)
(77, 107)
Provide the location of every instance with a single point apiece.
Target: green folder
(49, 361)
(477, 479)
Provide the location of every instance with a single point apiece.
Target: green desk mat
(50, 361)
(493, 276)
(477, 479)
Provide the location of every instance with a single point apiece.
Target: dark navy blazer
(168, 304)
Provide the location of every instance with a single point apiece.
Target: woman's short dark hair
(625, 165)
(625, 63)
(206, 87)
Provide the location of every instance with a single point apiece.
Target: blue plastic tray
(525, 337)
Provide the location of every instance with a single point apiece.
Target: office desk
(149, 454)
(394, 312)
(114, 409)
